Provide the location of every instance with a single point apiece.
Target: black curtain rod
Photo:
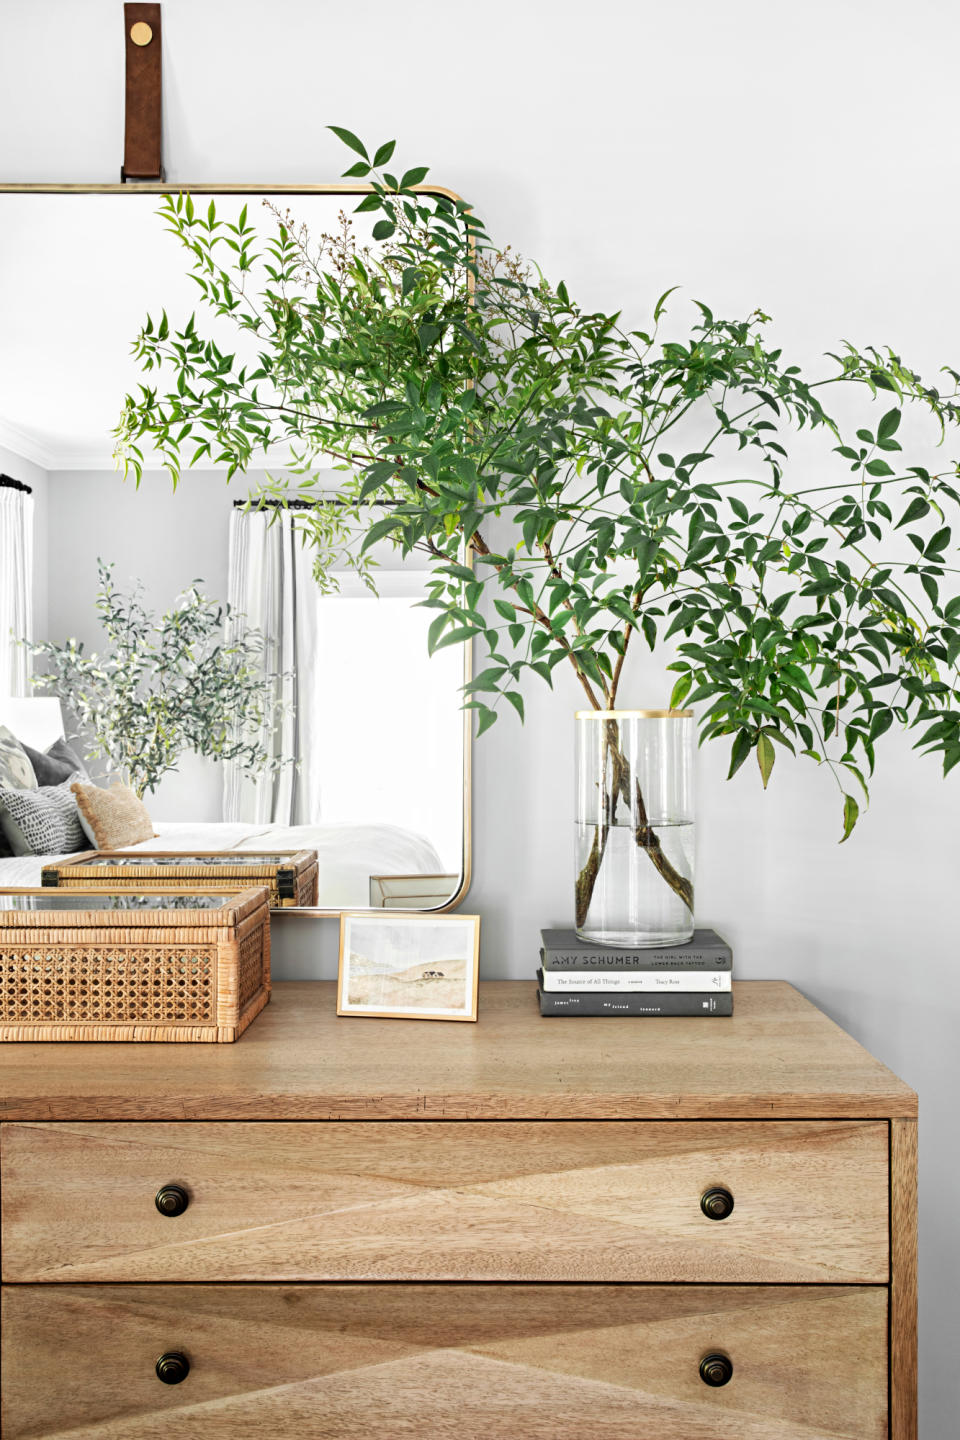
(273, 504)
(259, 504)
(8, 483)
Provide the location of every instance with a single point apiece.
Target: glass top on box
(70, 900)
(249, 857)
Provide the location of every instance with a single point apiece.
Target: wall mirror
(374, 742)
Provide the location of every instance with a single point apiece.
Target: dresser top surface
(777, 1057)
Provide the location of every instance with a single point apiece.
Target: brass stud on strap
(141, 33)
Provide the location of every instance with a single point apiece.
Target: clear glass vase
(635, 827)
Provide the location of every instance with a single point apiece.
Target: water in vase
(635, 894)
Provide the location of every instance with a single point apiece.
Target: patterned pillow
(15, 768)
(44, 821)
(58, 763)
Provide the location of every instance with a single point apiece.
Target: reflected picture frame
(408, 966)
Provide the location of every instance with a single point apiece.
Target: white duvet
(348, 854)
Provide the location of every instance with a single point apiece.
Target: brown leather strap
(141, 151)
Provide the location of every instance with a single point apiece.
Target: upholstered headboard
(35, 721)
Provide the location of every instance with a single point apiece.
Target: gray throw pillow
(44, 821)
(15, 768)
(56, 764)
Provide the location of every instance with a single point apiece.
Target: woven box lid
(30, 908)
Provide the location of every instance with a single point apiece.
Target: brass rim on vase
(634, 714)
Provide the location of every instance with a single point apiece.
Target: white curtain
(16, 588)
(264, 563)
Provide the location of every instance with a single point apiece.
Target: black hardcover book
(564, 950)
(598, 1003)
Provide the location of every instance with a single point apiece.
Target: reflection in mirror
(249, 706)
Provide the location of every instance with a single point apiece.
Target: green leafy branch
(611, 483)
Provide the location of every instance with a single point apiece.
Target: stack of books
(578, 978)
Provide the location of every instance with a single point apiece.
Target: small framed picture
(409, 967)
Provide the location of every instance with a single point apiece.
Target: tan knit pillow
(112, 818)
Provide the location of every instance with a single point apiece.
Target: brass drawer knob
(171, 1200)
(716, 1203)
(716, 1370)
(172, 1367)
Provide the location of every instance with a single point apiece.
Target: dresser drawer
(554, 1362)
(546, 1200)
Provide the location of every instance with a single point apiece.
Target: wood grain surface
(515, 1200)
(445, 1362)
(777, 1057)
(903, 1280)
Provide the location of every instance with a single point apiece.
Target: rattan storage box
(93, 966)
(290, 875)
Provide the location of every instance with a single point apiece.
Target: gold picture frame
(433, 972)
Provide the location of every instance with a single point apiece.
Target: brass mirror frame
(151, 187)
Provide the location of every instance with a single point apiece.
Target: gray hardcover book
(597, 1004)
(564, 950)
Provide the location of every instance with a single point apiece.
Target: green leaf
(916, 510)
(742, 745)
(878, 467)
(383, 229)
(378, 530)
(516, 700)
(798, 677)
(458, 635)
(766, 755)
(889, 424)
(646, 552)
(851, 810)
(349, 139)
(416, 176)
(680, 691)
(931, 587)
(459, 572)
(437, 627)
(487, 679)
(659, 307)
(382, 157)
(487, 717)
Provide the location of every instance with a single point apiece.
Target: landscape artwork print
(418, 967)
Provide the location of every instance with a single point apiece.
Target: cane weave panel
(251, 967)
(133, 983)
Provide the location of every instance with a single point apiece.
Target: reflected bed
(348, 854)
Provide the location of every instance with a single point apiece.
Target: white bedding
(348, 854)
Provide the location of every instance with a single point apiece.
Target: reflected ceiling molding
(27, 446)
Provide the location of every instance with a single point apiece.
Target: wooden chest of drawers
(672, 1229)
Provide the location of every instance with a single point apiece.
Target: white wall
(801, 158)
